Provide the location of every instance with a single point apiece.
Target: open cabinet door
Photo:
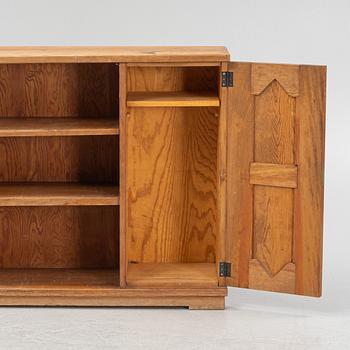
(275, 170)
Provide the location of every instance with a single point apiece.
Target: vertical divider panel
(240, 154)
(122, 170)
(221, 174)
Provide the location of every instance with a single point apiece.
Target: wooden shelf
(19, 127)
(172, 99)
(167, 275)
(63, 278)
(57, 194)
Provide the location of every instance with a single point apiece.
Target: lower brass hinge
(225, 269)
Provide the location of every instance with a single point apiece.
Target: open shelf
(59, 178)
(62, 278)
(172, 99)
(19, 127)
(168, 275)
(56, 194)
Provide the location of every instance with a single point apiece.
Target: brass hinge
(225, 269)
(227, 79)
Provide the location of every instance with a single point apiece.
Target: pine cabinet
(157, 176)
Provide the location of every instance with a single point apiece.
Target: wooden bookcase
(157, 176)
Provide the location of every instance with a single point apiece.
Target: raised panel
(274, 126)
(273, 227)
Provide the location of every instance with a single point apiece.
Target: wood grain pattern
(287, 76)
(59, 237)
(175, 64)
(278, 245)
(46, 243)
(274, 126)
(172, 99)
(59, 159)
(222, 178)
(75, 54)
(260, 230)
(273, 207)
(273, 227)
(311, 109)
(283, 281)
(59, 278)
(240, 153)
(161, 79)
(172, 185)
(148, 275)
(122, 173)
(24, 127)
(96, 292)
(273, 175)
(59, 90)
(192, 302)
(53, 194)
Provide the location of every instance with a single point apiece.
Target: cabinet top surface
(72, 54)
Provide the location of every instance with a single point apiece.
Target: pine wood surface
(274, 175)
(96, 292)
(273, 228)
(59, 237)
(240, 153)
(263, 74)
(186, 201)
(189, 275)
(53, 194)
(96, 287)
(283, 282)
(274, 142)
(60, 278)
(75, 54)
(310, 156)
(172, 184)
(58, 90)
(174, 64)
(222, 179)
(23, 127)
(179, 79)
(191, 302)
(59, 159)
(172, 99)
(122, 173)
(274, 241)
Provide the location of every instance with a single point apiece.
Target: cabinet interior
(60, 170)
(59, 175)
(171, 180)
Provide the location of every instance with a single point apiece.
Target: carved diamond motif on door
(274, 143)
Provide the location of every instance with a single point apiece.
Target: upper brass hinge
(227, 79)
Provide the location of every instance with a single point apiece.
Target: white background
(309, 31)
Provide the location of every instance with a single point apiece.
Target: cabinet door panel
(275, 166)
